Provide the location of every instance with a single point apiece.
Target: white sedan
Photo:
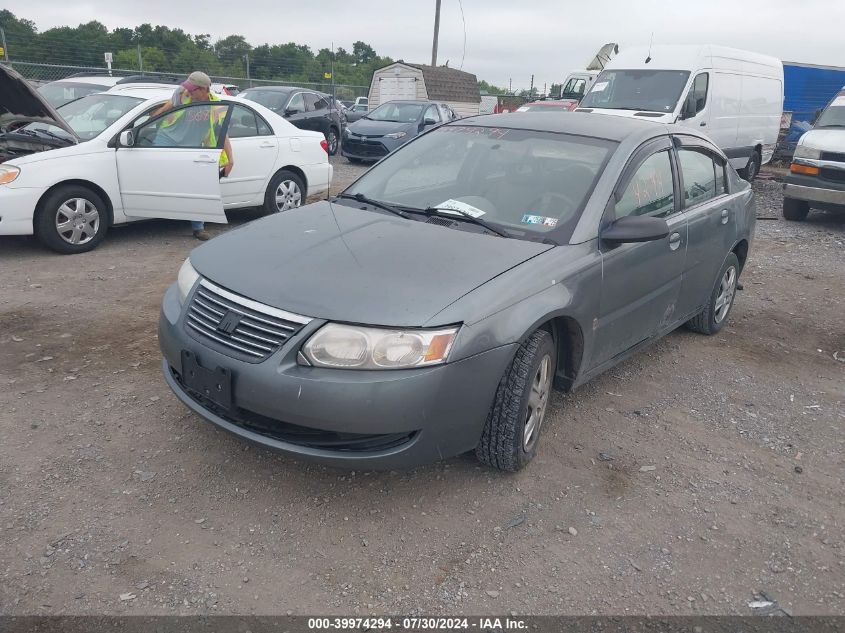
(66, 175)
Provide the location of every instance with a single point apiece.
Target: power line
(464, 54)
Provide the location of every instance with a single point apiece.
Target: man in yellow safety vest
(197, 88)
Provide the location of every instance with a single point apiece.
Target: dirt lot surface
(694, 478)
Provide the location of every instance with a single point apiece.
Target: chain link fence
(40, 74)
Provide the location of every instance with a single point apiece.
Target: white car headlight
(802, 151)
(185, 280)
(397, 135)
(354, 347)
(8, 173)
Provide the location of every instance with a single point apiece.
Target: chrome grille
(237, 326)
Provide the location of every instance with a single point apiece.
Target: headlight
(185, 280)
(397, 135)
(802, 151)
(8, 173)
(353, 347)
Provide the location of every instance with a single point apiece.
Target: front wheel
(715, 315)
(72, 219)
(512, 431)
(286, 191)
(795, 210)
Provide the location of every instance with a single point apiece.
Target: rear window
(271, 99)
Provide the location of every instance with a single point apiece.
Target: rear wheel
(72, 219)
(752, 169)
(795, 210)
(286, 191)
(333, 139)
(715, 315)
(512, 431)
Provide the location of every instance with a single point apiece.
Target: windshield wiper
(52, 134)
(467, 216)
(360, 197)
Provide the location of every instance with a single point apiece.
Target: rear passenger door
(641, 281)
(254, 150)
(711, 218)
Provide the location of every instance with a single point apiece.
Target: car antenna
(648, 59)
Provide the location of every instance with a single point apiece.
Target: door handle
(674, 241)
(205, 159)
(703, 123)
(725, 216)
(267, 144)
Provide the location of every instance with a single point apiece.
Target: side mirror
(127, 138)
(816, 116)
(290, 112)
(428, 122)
(688, 109)
(636, 228)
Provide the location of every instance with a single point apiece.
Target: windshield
(397, 112)
(643, 90)
(90, 115)
(532, 184)
(271, 99)
(61, 92)
(834, 114)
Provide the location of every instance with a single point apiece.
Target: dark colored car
(390, 126)
(306, 109)
(430, 308)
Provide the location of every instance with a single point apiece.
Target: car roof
(606, 126)
(97, 80)
(277, 89)
(143, 91)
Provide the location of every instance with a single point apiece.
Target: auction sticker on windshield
(599, 87)
(539, 219)
(457, 205)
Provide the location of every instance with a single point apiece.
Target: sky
(507, 41)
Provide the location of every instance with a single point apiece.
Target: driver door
(170, 171)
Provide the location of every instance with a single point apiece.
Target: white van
(734, 96)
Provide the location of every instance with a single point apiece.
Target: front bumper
(364, 148)
(347, 418)
(17, 209)
(814, 189)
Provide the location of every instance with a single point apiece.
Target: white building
(401, 80)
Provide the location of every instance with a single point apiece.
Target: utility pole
(140, 60)
(510, 86)
(248, 78)
(6, 48)
(436, 34)
(531, 90)
(334, 86)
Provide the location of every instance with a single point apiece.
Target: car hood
(825, 139)
(659, 117)
(20, 102)
(341, 263)
(366, 127)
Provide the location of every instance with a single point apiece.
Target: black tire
(503, 444)
(81, 210)
(795, 210)
(286, 191)
(333, 139)
(712, 319)
(752, 169)
(354, 161)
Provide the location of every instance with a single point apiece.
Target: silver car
(430, 309)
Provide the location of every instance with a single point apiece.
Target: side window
(699, 91)
(264, 128)
(243, 123)
(651, 190)
(310, 101)
(296, 104)
(188, 127)
(721, 178)
(432, 113)
(699, 176)
(320, 103)
(144, 117)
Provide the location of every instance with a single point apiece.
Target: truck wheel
(512, 431)
(752, 169)
(795, 210)
(72, 219)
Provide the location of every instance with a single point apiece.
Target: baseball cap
(197, 79)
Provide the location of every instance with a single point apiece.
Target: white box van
(734, 96)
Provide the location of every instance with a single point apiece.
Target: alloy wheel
(288, 195)
(727, 290)
(77, 221)
(538, 401)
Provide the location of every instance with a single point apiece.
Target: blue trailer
(806, 89)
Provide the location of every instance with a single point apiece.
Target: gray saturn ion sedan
(431, 307)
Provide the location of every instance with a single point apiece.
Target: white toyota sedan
(67, 175)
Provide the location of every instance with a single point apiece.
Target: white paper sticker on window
(599, 87)
(456, 205)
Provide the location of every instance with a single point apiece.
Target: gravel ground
(694, 478)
